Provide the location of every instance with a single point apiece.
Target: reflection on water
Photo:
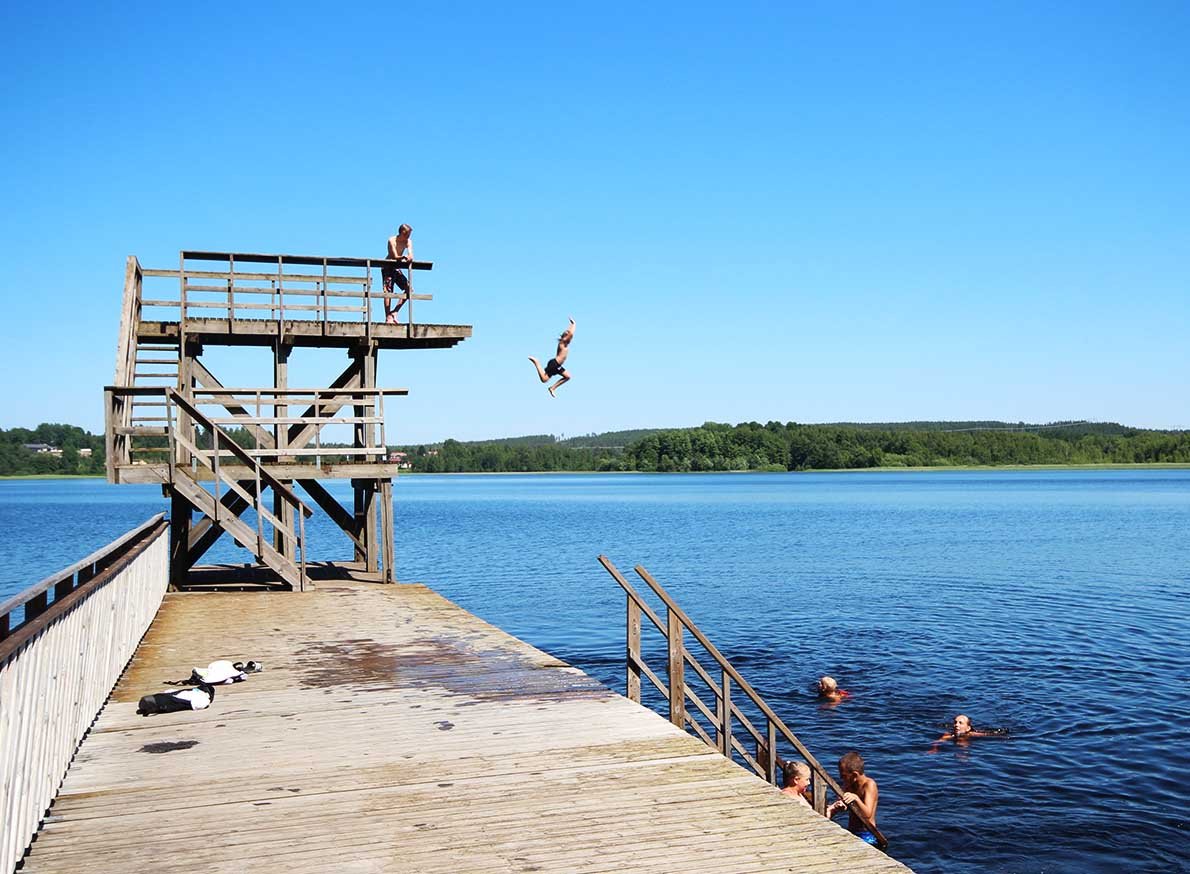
(1053, 604)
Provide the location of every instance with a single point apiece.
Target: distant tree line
(710, 447)
(16, 460)
(790, 446)
(455, 457)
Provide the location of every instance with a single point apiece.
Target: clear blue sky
(801, 212)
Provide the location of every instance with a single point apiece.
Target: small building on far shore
(45, 449)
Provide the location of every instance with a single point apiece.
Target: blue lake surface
(1053, 603)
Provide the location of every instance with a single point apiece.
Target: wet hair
(852, 762)
(827, 684)
(404, 229)
(793, 769)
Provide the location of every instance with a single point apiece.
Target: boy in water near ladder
(860, 789)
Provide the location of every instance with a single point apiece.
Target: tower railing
(239, 285)
(277, 426)
(728, 691)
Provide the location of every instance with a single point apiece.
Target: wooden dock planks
(393, 731)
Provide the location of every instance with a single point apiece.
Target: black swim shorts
(553, 368)
(392, 275)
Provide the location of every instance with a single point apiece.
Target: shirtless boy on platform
(858, 788)
(400, 248)
(554, 367)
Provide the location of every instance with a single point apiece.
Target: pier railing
(63, 644)
(729, 691)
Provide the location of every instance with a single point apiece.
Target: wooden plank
(306, 260)
(677, 670)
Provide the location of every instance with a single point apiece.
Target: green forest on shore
(791, 446)
(709, 447)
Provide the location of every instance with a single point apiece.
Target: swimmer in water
(962, 732)
(797, 781)
(858, 789)
(829, 690)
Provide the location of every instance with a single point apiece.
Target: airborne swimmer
(554, 367)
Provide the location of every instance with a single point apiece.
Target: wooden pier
(393, 731)
(390, 730)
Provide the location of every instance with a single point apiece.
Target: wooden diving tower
(232, 459)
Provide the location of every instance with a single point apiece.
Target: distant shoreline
(956, 467)
(935, 467)
(51, 476)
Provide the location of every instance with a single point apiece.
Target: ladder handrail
(679, 621)
(238, 451)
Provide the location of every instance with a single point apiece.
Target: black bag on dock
(198, 698)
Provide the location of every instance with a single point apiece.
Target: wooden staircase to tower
(231, 459)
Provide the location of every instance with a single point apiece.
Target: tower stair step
(241, 532)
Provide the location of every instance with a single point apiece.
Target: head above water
(797, 775)
(962, 724)
(827, 685)
(851, 764)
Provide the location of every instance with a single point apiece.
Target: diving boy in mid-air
(554, 367)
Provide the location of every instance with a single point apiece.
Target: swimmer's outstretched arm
(936, 744)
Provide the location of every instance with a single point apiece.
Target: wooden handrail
(314, 291)
(237, 450)
(679, 622)
(83, 574)
(304, 260)
(60, 665)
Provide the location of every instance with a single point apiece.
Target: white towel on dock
(218, 674)
(199, 700)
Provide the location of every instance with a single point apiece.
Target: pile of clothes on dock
(201, 687)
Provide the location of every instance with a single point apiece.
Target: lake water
(1053, 604)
